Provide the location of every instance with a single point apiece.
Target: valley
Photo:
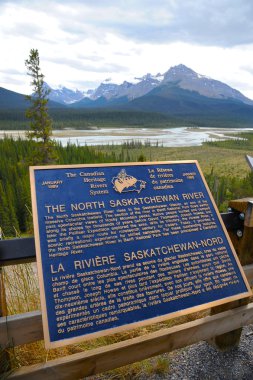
(181, 136)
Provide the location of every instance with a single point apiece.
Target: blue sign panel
(123, 245)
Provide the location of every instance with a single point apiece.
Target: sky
(82, 43)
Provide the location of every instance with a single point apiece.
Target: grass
(144, 369)
(224, 162)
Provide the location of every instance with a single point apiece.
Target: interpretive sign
(123, 245)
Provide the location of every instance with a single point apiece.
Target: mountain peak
(180, 72)
(149, 78)
(181, 68)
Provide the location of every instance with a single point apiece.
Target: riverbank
(166, 137)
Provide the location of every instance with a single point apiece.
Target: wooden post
(243, 243)
(243, 240)
(5, 365)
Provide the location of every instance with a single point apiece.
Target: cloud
(11, 82)
(92, 58)
(80, 65)
(216, 22)
(248, 69)
(81, 41)
(12, 71)
(222, 23)
(83, 84)
(24, 29)
(11, 77)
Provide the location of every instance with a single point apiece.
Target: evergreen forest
(15, 119)
(15, 200)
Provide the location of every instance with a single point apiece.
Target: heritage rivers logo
(124, 183)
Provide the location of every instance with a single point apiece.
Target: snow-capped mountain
(135, 89)
(190, 80)
(65, 95)
(180, 76)
(111, 90)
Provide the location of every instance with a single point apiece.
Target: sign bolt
(239, 233)
(242, 216)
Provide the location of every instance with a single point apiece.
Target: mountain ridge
(181, 75)
(13, 100)
(180, 92)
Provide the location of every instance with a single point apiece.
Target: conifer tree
(7, 213)
(37, 113)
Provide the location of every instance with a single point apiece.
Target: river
(170, 137)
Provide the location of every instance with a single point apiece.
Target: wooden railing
(26, 328)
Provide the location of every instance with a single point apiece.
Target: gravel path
(204, 362)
